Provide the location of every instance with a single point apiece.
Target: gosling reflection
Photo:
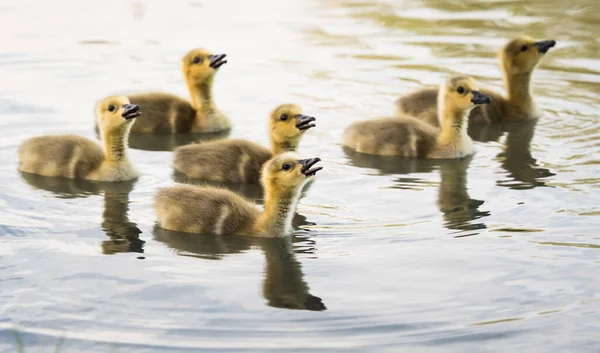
(458, 208)
(389, 165)
(516, 159)
(283, 286)
(123, 235)
(168, 142)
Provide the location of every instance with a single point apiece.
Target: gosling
(241, 160)
(194, 209)
(76, 157)
(167, 113)
(518, 59)
(410, 137)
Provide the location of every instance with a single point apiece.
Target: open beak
(307, 166)
(131, 111)
(480, 98)
(544, 45)
(217, 60)
(305, 122)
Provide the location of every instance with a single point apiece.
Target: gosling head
(288, 171)
(461, 94)
(287, 125)
(116, 113)
(521, 55)
(199, 64)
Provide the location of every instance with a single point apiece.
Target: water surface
(498, 252)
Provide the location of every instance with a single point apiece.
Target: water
(494, 253)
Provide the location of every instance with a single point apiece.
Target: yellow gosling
(194, 209)
(241, 160)
(518, 59)
(167, 113)
(76, 157)
(409, 137)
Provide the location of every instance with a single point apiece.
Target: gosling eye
(284, 117)
(460, 90)
(112, 108)
(286, 166)
(524, 48)
(197, 60)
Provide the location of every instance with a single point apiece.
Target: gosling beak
(216, 60)
(480, 98)
(304, 122)
(544, 45)
(307, 164)
(131, 111)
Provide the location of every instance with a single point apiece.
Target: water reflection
(168, 142)
(389, 165)
(123, 235)
(516, 158)
(458, 208)
(283, 286)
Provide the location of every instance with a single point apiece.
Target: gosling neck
(201, 95)
(454, 124)
(115, 144)
(518, 88)
(280, 206)
(287, 145)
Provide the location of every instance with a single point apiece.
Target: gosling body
(240, 161)
(518, 59)
(168, 113)
(76, 157)
(193, 209)
(410, 137)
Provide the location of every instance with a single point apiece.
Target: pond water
(497, 252)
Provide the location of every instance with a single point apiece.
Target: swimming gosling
(410, 137)
(518, 59)
(76, 157)
(206, 210)
(241, 160)
(167, 113)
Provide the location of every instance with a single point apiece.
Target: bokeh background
(498, 252)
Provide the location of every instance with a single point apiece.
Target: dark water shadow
(123, 235)
(283, 286)
(389, 165)
(516, 158)
(168, 142)
(486, 132)
(458, 208)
